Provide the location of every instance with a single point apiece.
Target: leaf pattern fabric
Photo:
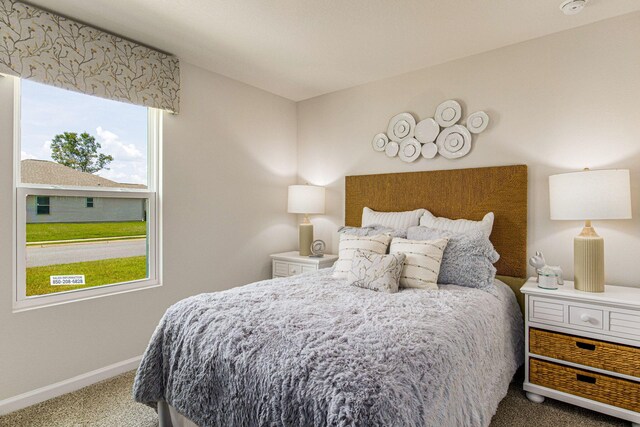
(51, 49)
(380, 273)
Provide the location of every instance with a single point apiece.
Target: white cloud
(129, 162)
(24, 156)
(42, 153)
(111, 144)
(126, 172)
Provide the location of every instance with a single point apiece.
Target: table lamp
(306, 199)
(590, 195)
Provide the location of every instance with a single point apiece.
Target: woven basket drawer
(618, 358)
(602, 388)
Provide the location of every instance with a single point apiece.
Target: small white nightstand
(290, 263)
(584, 348)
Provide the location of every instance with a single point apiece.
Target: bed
(312, 350)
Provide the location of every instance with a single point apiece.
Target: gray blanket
(310, 350)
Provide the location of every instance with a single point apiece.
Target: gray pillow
(468, 258)
(372, 230)
(377, 272)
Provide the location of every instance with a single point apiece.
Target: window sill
(52, 300)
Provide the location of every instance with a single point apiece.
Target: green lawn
(84, 230)
(103, 272)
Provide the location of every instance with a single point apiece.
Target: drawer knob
(585, 317)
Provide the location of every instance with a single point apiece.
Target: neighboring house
(76, 209)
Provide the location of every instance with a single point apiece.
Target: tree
(79, 152)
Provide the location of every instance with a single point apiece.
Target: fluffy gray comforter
(310, 350)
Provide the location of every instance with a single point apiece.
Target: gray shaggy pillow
(468, 258)
(373, 230)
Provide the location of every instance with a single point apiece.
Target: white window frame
(154, 219)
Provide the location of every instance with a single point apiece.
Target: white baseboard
(67, 386)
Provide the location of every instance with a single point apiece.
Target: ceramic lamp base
(588, 259)
(306, 238)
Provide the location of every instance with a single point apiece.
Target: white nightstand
(584, 348)
(290, 263)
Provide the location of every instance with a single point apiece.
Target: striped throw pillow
(395, 220)
(458, 225)
(422, 262)
(348, 246)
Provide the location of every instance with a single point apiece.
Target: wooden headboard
(459, 193)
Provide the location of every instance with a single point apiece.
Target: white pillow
(396, 220)
(458, 225)
(377, 272)
(422, 262)
(348, 246)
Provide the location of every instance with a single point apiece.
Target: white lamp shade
(590, 195)
(306, 199)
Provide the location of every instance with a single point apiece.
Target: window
(42, 205)
(86, 181)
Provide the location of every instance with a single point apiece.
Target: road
(80, 252)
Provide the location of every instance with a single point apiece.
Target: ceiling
(304, 48)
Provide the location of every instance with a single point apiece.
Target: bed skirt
(170, 417)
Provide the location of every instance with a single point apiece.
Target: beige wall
(228, 158)
(558, 103)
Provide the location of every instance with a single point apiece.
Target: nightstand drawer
(586, 317)
(291, 263)
(280, 268)
(295, 269)
(617, 358)
(624, 323)
(601, 388)
(545, 310)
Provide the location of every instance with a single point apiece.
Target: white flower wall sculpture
(432, 136)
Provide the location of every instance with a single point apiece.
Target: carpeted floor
(109, 404)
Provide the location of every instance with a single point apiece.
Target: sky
(120, 128)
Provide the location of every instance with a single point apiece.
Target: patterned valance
(51, 49)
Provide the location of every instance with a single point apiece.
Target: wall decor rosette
(440, 134)
(51, 49)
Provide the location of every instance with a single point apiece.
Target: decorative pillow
(379, 273)
(422, 264)
(395, 220)
(458, 225)
(372, 230)
(349, 244)
(468, 258)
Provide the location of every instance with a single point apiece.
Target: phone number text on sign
(67, 280)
